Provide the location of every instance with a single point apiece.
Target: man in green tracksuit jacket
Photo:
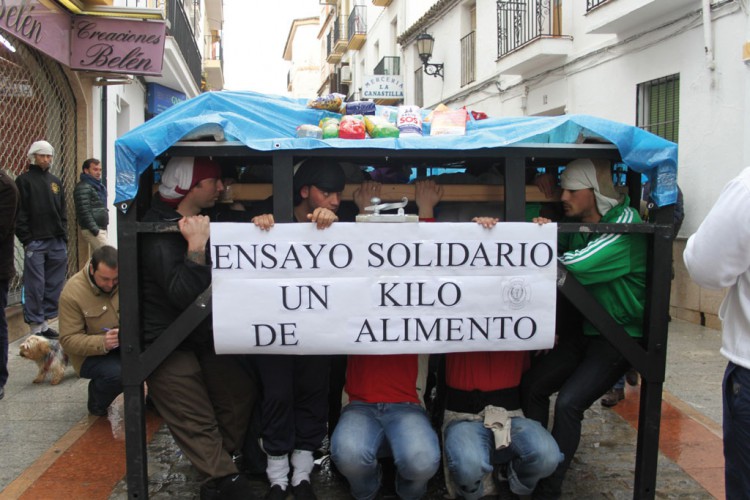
(584, 365)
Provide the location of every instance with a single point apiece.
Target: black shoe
(92, 406)
(631, 377)
(276, 493)
(50, 334)
(612, 397)
(304, 491)
(234, 487)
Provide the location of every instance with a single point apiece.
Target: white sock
(277, 470)
(45, 326)
(302, 463)
(35, 328)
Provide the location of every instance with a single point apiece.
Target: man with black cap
(295, 388)
(584, 365)
(205, 399)
(42, 228)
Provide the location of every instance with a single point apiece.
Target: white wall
(601, 76)
(131, 104)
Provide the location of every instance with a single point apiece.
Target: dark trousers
(206, 401)
(105, 373)
(582, 368)
(4, 283)
(736, 420)
(44, 268)
(294, 402)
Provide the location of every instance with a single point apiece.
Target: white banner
(378, 288)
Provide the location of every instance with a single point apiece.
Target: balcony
(468, 58)
(357, 27)
(613, 17)
(529, 36)
(213, 62)
(336, 41)
(388, 65)
(182, 59)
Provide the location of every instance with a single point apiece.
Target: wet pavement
(44, 426)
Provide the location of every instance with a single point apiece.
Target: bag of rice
(409, 120)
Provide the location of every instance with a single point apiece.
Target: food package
(330, 127)
(409, 120)
(330, 102)
(352, 127)
(450, 122)
(378, 127)
(359, 108)
(439, 108)
(310, 131)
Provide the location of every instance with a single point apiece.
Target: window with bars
(658, 107)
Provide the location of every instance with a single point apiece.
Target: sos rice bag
(359, 108)
(330, 102)
(310, 131)
(352, 127)
(378, 127)
(330, 127)
(409, 120)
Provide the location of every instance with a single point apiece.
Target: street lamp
(425, 42)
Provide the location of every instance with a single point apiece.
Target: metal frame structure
(648, 356)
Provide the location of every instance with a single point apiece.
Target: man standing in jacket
(8, 208)
(584, 365)
(205, 399)
(42, 228)
(89, 321)
(90, 197)
(718, 256)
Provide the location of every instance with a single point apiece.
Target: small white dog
(48, 356)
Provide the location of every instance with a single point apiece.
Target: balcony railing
(180, 29)
(389, 65)
(145, 4)
(468, 58)
(520, 22)
(357, 26)
(592, 4)
(213, 48)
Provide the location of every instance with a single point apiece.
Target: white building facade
(679, 68)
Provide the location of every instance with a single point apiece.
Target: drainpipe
(103, 128)
(708, 36)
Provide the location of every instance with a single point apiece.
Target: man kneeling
(385, 413)
(484, 426)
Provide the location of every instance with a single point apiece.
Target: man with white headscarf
(584, 365)
(42, 228)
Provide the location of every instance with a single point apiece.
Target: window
(658, 107)
(418, 91)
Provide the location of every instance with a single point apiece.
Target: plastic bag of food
(450, 122)
(352, 127)
(378, 127)
(330, 102)
(359, 108)
(330, 127)
(307, 130)
(409, 120)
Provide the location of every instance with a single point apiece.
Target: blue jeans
(736, 420)
(105, 373)
(367, 430)
(44, 267)
(470, 454)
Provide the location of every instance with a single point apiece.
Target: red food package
(352, 127)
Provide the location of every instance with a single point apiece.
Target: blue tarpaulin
(268, 123)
